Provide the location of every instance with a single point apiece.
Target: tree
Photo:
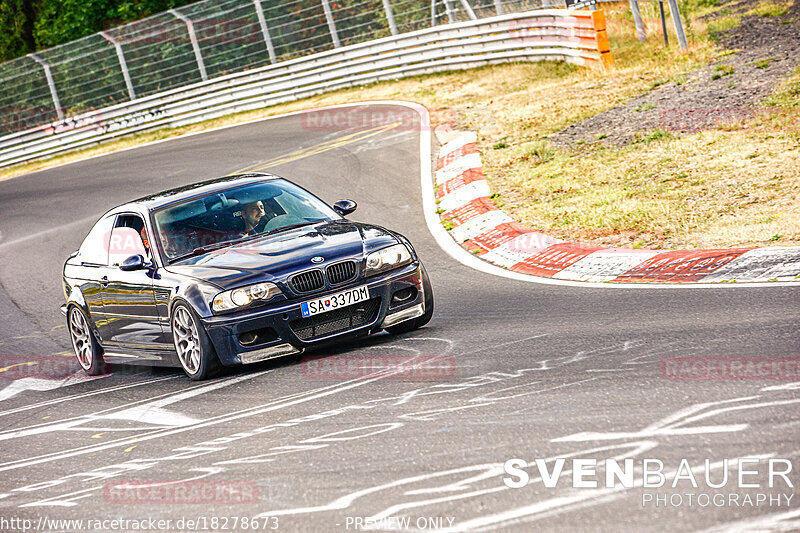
(16, 28)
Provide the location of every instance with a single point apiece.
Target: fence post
(433, 13)
(676, 19)
(498, 6)
(331, 24)
(50, 83)
(264, 30)
(122, 64)
(193, 38)
(451, 16)
(387, 7)
(637, 20)
(469, 10)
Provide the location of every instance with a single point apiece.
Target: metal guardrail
(204, 40)
(552, 34)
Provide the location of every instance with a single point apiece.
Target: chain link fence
(206, 40)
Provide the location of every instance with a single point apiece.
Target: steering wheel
(259, 228)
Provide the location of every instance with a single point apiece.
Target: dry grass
(735, 186)
(711, 189)
(718, 188)
(787, 96)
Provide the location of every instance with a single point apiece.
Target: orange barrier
(594, 23)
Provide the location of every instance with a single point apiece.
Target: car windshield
(234, 215)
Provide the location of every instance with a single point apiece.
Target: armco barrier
(575, 36)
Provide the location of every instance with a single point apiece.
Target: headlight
(387, 259)
(244, 296)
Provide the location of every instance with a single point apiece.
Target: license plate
(334, 301)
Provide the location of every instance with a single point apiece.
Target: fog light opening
(404, 295)
(246, 339)
(257, 336)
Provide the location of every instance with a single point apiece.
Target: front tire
(195, 351)
(84, 343)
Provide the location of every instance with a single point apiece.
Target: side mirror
(345, 207)
(134, 262)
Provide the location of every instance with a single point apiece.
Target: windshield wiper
(293, 226)
(201, 250)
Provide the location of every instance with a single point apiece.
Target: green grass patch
(656, 135)
(720, 25)
(722, 70)
(763, 63)
(769, 8)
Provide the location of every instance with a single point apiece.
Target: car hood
(275, 257)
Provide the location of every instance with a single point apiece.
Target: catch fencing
(206, 40)
(556, 34)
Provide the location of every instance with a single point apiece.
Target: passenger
(253, 213)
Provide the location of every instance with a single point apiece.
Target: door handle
(104, 281)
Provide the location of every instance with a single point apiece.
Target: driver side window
(128, 238)
(94, 249)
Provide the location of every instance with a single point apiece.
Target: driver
(253, 213)
(145, 241)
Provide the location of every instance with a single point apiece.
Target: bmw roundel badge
(317, 259)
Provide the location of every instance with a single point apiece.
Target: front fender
(75, 297)
(196, 296)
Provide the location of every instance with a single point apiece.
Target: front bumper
(225, 330)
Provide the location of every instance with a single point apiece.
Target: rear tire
(411, 325)
(195, 352)
(84, 343)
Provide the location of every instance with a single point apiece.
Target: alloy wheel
(187, 339)
(81, 338)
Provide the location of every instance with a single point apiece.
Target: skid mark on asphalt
(788, 521)
(672, 424)
(419, 485)
(405, 493)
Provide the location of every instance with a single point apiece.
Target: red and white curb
(478, 225)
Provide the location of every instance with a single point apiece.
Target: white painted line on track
(136, 410)
(84, 395)
(274, 405)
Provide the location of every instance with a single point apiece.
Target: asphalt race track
(514, 370)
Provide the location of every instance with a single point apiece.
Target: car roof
(203, 188)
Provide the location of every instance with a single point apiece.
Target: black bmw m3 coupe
(233, 271)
